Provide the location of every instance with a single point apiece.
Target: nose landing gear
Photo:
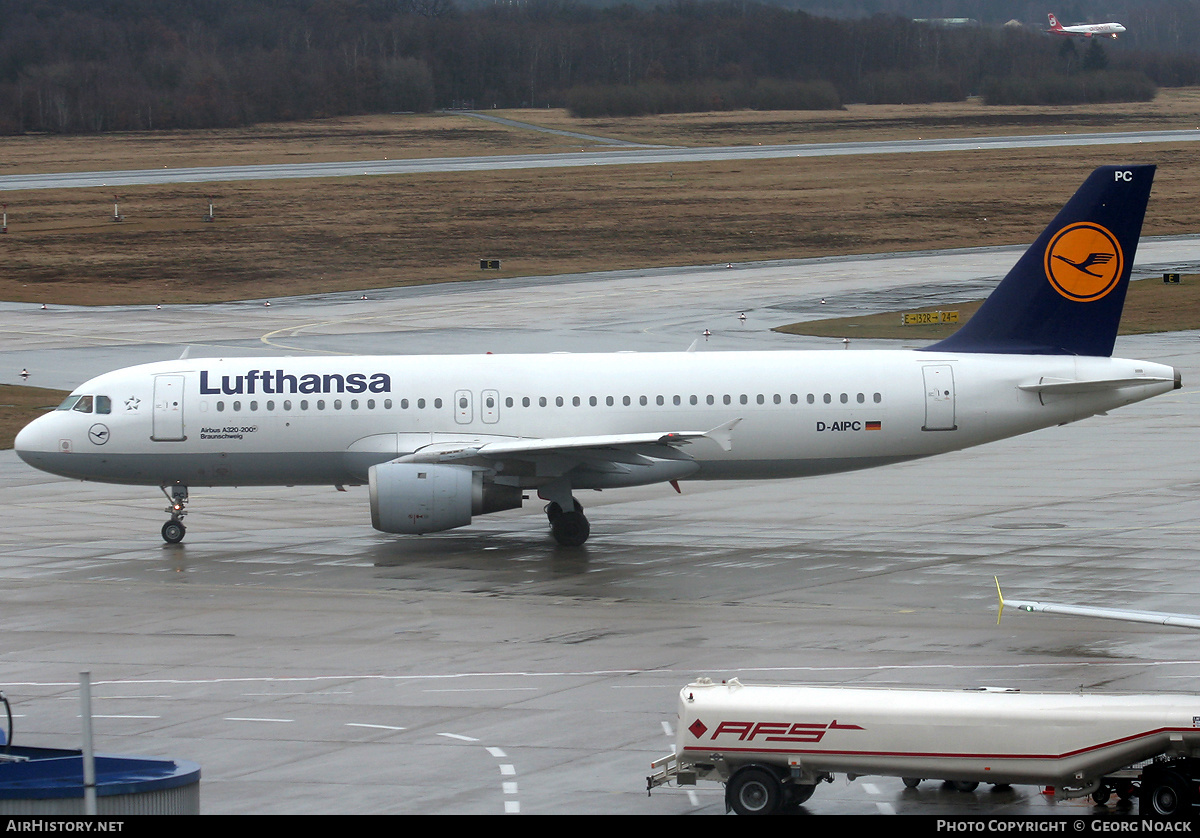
(173, 531)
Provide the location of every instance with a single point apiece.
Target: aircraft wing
(555, 456)
(1158, 618)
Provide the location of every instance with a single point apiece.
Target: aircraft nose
(34, 439)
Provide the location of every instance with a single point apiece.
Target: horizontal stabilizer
(1066, 388)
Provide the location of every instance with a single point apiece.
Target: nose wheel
(173, 531)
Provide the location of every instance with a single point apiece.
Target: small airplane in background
(1085, 30)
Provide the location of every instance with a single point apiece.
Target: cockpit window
(86, 404)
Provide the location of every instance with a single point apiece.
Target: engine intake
(418, 498)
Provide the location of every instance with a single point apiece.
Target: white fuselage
(283, 421)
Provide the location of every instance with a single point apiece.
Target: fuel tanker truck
(772, 744)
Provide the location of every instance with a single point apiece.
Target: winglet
(722, 435)
(1065, 295)
(999, 613)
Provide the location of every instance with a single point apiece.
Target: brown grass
(1150, 306)
(294, 237)
(21, 405)
(276, 238)
(399, 136)
(1176, 108)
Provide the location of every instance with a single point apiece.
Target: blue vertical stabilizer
(1065, 295)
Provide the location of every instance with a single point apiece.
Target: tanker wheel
(797, 794)
(912, 782)
(1164, 795)
(1101, 795)
(754, 791)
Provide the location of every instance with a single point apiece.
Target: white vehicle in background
(771, 745)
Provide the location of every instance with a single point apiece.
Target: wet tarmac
(313, 665)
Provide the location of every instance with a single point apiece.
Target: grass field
(20, 405)
(277, 238)
(1150, 306)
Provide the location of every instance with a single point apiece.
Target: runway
(313, 665)
(598, 157)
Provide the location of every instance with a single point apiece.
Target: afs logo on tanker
(793, 732)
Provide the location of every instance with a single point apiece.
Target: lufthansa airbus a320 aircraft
(442, 438)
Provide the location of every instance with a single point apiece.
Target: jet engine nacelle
(419, 498)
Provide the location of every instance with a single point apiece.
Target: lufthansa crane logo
(1084, 262)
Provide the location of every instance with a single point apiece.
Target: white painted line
(375, 727)
(507, 770)
(252, 719)
(512, 807)
(102, 716)
(459, 737)
(487, 690)
(497, 752)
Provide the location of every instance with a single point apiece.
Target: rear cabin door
(939, 398)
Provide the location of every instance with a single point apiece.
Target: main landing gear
(570, 529)
(173, 531)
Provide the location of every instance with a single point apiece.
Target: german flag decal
(1084, 262)
(874, 426)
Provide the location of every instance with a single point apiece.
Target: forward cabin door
(168, 409)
